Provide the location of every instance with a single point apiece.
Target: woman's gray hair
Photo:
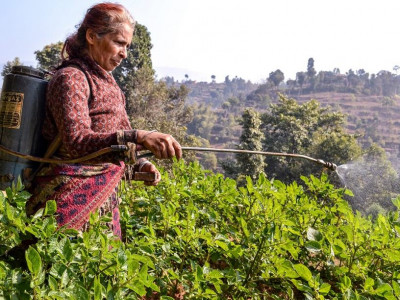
(102, 18)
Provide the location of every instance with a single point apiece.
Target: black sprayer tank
(22, 110)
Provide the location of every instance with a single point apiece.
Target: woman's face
(110, 49)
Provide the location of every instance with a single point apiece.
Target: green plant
(199, 236)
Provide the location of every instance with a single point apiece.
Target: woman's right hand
(160, 144)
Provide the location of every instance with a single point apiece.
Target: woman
(85, 108)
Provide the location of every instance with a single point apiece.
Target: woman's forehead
(124, 31)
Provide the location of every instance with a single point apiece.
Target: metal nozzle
(328, 165)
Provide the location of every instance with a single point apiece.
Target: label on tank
(11, 109)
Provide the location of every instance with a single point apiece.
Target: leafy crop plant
(199, 236)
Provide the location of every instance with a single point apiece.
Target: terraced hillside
(374, 118)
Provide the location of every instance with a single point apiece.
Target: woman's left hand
(150, 168)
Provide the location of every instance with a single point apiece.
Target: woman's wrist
(131, 136)
(141, 135)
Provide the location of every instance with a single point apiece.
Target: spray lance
(328, 165)
(142, 176)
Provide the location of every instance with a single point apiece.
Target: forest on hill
(369, 101)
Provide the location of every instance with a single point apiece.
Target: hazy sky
(248, 38)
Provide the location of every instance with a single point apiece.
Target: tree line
(384, 83)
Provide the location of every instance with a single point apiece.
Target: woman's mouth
(116, 62)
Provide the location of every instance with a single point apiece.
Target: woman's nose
(123, 53)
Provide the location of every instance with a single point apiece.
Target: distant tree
(304, 129)
(213, 78)
(202, 122)
(353, 81)
(300, 79)
(169, 80)
(250, 139)
(310, 68)
(227, 80)
(276, 77)
(291, 83)
(260, 97)
(8, 66)
(50, 56)
(396, 68)
(390, 83)
(186, 77)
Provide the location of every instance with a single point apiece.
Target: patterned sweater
(87, 107)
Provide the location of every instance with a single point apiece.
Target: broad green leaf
(65, 278)
(369, 284)
(199, 273)
(138, 288)
(301, 286)
(222, 245)
(51, 208)
(121, 257)
(9, 212)
(313, 234)
(143, 259)
(80, 292)
(303, 271)
(396, 202)
(33, 260)
(53, 283)
(324, 288)
(345, 283)
(383, 288)
(143, 273)
(244, 227)
(97, 288)
(313, 246)
(286, 269)
(396, 288)
(67, 250)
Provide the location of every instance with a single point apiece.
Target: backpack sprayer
(22, 105)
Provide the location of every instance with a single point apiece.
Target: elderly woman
(85, 109)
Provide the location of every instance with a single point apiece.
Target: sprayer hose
(115, 148)
(60, 161)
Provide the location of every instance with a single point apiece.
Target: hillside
(374, 118)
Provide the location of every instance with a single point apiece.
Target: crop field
(199, 236)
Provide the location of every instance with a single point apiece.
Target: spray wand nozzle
(328, 165)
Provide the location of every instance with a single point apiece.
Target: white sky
(247, 38)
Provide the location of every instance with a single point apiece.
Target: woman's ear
(90, 36)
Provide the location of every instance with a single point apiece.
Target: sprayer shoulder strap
(55, 144)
